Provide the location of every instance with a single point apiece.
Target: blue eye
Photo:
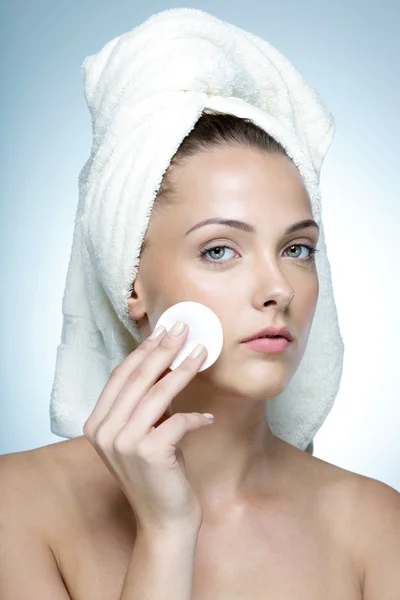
(216, 263)
(212, 249)
(312, 251)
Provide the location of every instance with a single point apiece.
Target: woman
(156, 501)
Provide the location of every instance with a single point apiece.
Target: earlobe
(136, 308)
(136, 305)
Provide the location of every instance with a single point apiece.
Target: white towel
(145, 91)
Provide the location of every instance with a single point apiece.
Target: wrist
(177, 536)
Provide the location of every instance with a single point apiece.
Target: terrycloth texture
(145, 91)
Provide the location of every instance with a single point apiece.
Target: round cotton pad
(204, 328)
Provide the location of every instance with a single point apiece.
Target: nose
(273, 287)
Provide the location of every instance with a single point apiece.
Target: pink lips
(269, 345)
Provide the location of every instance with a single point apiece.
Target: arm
(28, 569)
(161, 567)
(379, 540)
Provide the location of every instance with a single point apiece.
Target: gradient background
(348, 51)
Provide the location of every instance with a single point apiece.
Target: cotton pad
(204, 328)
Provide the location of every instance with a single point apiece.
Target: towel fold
(145, 90)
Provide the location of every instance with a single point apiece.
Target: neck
(236, 459)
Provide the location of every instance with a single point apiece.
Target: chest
(273, 561)
(288, 558)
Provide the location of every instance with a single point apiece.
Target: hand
(132, 430)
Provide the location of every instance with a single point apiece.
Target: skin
(276, 520)
(237, 458)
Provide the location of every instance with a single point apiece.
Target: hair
(213, 129)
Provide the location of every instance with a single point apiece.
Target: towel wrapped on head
(145, 90)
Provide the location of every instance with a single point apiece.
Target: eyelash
(217, 263)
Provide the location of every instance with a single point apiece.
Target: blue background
(348, 51)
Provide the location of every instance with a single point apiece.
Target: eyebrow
(250, 228)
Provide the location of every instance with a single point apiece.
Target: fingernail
(209, 416)
(177, 329)
(157, 332)
(197, 350)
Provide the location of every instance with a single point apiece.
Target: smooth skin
(248, 286)
(145, 459)
(275, 522)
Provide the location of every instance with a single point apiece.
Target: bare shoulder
(359, 498)
(354, 498)
(63, 487)
(23, 483)
(375, 521)
(30, 483)
(364, 514)
(28, 566)
(47, 482)
(62, 517)
(68, 470)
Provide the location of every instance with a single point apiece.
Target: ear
(136, 301)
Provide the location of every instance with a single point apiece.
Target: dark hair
(211, 130)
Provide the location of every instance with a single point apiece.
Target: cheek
(249, 376)
(303, 314)
(310, 300)
(182, 287)
(311, 297)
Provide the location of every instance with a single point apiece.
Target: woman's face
(249, 283)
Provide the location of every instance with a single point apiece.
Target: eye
(220, 251)
(312, 251)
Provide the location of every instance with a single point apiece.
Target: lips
(273, 345)
(276, 332)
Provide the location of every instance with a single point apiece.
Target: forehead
(231, 172)
(236, 182)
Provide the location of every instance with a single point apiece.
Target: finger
(118, 379)
(158, 399)
(166, 436)
(140, 381)
(171, 432)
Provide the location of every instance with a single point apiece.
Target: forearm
(161, 568)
